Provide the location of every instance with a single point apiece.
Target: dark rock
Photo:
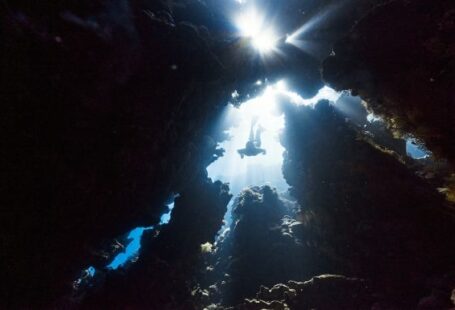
(321, 292)
(107, 107)
(400, 60)
(164, 277)
(262, 246)
(376, 219)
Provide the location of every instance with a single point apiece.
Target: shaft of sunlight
(253, 25)
(297, 37)
(262, 112)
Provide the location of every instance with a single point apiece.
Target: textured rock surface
(165, 274)
(400, 58)
(362, 212)
(107, 108)
(98, 131)
(377, 219)
(265, 245)
(321, 292)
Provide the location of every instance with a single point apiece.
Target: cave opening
(124, 254)
(266, 111)
(310, 142)
(416, 150)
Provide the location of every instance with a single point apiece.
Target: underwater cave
(235, 154)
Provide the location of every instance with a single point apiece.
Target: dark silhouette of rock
(164, 277)
(265, 245)
(321, 292)
(400, 59)
(108, 109)
(99, 130)
(376, 219)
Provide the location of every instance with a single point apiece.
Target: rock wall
(400, 59)
(377, 220)
(264, 245)
(99, 129)
(107, 108)
(383, 232)
(166, 273)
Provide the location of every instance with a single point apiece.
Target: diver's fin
(257, 139)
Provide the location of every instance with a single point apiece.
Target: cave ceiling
(112, 108)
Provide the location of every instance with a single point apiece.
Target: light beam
(252, 25)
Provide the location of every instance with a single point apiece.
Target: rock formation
(110, 107)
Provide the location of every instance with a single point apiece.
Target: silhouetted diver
(253, 146)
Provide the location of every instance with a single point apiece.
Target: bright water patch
(131, 250)
(130, 253)
(264, 168)
(414, 150)
(373, 118)
(135, 235)
(91, 271)
(85, 278)
(166, 217)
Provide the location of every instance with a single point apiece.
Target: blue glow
(85, 278)
(414, 150)
(131, 249)
(262, 169)
(91, 271)
(166, 217)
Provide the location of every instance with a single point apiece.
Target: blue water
(414, 150)
(131, 250)
(263, 169)
(91, 271)
(166, 217)
(135, 235)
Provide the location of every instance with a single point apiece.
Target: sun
(252, 25)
